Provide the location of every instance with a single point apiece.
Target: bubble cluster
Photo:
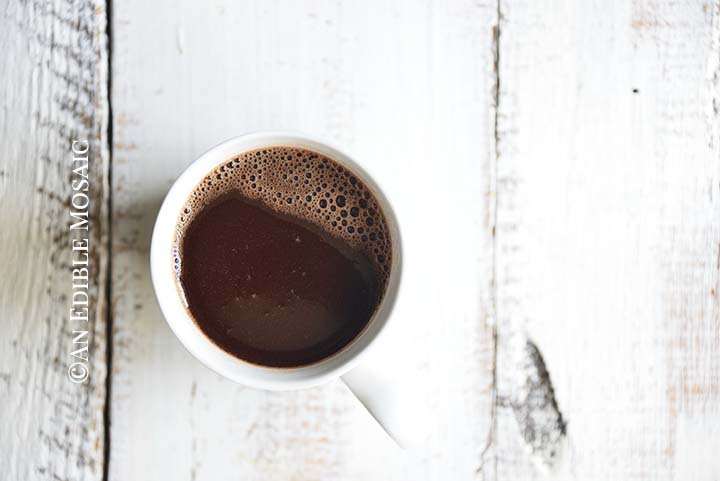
(306, 185)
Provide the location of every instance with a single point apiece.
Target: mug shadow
(139, 328)
(150, 364)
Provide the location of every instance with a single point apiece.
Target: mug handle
(399, 409)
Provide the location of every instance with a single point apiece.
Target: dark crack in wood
(539, 419)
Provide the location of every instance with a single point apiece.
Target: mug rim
(184, 326)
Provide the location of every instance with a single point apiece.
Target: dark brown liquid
(273, 289)
(282, 255)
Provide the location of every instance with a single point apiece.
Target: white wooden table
(566, 154)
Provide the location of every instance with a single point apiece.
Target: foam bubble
(306, 185)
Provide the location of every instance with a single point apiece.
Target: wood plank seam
(107, 410)
(488, 448)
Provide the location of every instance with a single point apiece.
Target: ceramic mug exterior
(175, 311)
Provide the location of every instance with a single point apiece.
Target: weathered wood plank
(609, 231)
(53, 74)
(405, 86)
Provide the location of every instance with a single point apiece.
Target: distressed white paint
(608, 231)
(607, 228)
(407, 87)
(697, 440)
(53, 76)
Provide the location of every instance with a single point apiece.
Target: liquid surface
(270, 290)
(282, 256)
(306, 185)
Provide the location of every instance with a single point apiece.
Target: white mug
(390, 406)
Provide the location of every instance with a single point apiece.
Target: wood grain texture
(53, 77)
(583, 213)
(408, 88)
(608, 237)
